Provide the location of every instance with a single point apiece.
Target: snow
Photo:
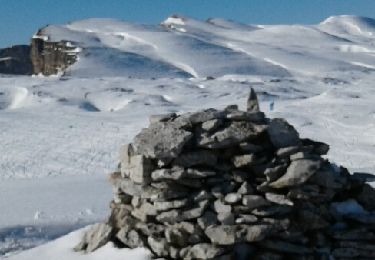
(60, 135)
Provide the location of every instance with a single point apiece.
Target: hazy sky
(20, 19)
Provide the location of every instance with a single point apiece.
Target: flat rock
(161, 141)
(278, 199)
(131, 238)
(282, 134)
(232, 198)
(222, 234)
(158, 245)
(253, 233)
(254, 201)
(235, 133)
(203, 251)
(297, 173)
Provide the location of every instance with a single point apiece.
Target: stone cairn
(231, 184)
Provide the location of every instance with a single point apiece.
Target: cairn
(230, 184)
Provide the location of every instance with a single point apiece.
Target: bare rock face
(49, 57)
(16, 60)
(229, 184)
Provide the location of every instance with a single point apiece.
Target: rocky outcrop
(229, 184)
(16, 60)
(49, 57)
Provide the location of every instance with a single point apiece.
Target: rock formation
(16, 60)
(230, 184)
(49, 57)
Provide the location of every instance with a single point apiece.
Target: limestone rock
(252, 102)
(203, 251)
(222, 234)
(254, 201)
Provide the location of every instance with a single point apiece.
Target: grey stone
(226, 218)
(158, 245)
(235, 133)
(274, 173)
(168, 205)
(196, 212)
(287, 151)
(328, 179)
(96, 236)
(278, 199)
(358, 234)
(199, 157)
(161, 141)
(176, 236)
(220, 207)
(130, 238)
(222, 234)
(282, 134)
(252, 102)
(232, 198)
(254, 201)
(278, 210)
(246, 219)
(138, 169)
(277, 224)
(212, 125)
(246, 116)
(144, 211)
(203, 251)
(244, 160)
(253, 233)
(297, 173)
(203, 116)
(197, 174)
(202, 195)
(168, 216)
(174, 173)
(352, 252)
(309, 220)
(162, 118)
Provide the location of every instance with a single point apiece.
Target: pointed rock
(252, 102)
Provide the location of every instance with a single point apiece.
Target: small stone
(282, 134)
(175, 173)
(278, 199)
(159, 246)
(220, 207)
(162, 118)
(168, 216)
(246, 116)
(226, 218)
(367, 197)
(221, 235)
(196, 212)
(274, 173)
(138, 170)
(232, 198)
(168, 205)
(297, 173)
(254, 201)
(144, 211)
(287, 151)
(198, 174)
(232, 135)
(253, 233)
(244, 160)
(246, 219)
(202, 251)
(212, 125)
(130, 238)
(278, 210)
(252, 102)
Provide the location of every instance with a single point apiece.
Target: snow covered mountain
(60, 135)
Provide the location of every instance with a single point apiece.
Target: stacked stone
(231, 184)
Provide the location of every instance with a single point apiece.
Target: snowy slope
(60, 136)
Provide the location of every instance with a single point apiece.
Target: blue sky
(19, 19)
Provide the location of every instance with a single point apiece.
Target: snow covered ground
(60, 136)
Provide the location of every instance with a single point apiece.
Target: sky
(20, 19)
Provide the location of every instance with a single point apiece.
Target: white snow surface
(60, 135)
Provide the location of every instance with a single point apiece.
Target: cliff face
(50, 57)
(16, 60)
